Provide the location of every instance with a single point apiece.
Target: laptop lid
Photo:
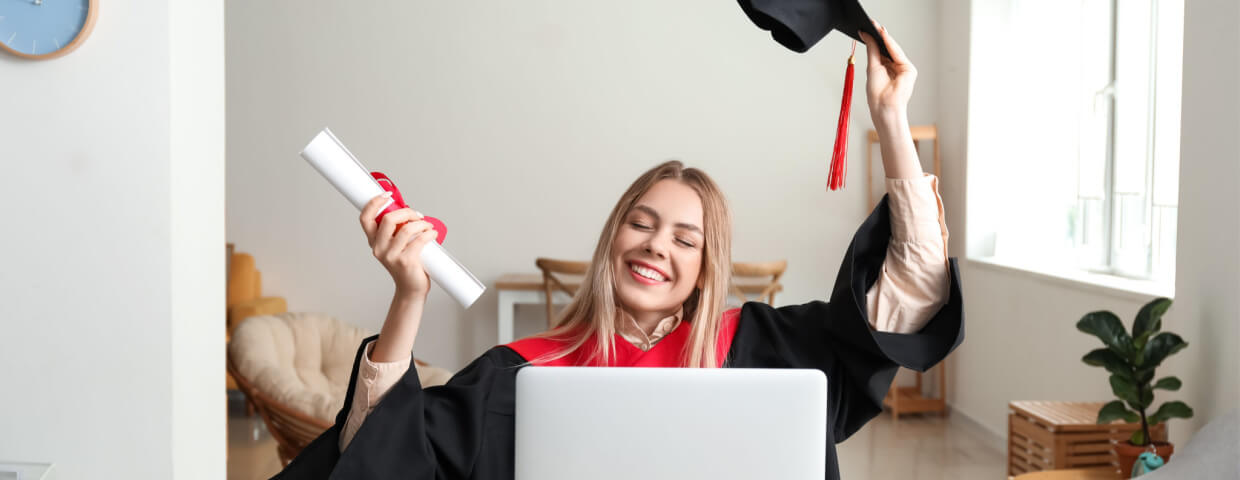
(670, 423)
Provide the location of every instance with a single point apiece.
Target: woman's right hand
(399, 252)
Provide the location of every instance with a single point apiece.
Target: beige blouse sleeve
(914, 282)
(374, 380)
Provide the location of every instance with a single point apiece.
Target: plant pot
(1124, 454)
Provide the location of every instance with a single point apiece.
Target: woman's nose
(654, 246)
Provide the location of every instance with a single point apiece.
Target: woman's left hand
(889, 82)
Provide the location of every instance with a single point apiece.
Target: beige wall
(520, 123)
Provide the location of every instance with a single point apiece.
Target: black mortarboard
(799, 24)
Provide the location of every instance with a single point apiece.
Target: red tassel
(839, 157)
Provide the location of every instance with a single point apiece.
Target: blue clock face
(41, 27)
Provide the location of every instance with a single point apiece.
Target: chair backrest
(291, 429)
(552, 269)
(757, 278)
(245, 282)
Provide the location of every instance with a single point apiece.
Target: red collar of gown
(669, 352)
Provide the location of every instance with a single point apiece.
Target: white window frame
(1116, 260)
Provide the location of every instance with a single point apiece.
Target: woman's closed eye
(644, 227)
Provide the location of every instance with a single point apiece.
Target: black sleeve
(463, 429)
(836, 337)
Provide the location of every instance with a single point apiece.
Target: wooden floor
(915, 448)
(922, 448)
(251, 450)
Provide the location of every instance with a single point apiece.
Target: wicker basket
(1057, 435)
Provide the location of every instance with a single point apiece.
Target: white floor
(914, 448)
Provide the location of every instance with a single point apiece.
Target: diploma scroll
(327, 155)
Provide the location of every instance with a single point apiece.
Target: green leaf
(1159, 348)
(1149, 320)
(1117, 411)
(1103, 357)
(1169, 410)
(1138, 437)
(1107, 327)
(1146, 396)
(1144, 376)
(1125, 390)
(1168, 383)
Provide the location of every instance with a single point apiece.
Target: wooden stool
(906, 400)
(1101, 473)
(1058, 435)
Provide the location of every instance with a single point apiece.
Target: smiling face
(658, 249)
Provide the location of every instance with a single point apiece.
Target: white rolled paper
(330, 157)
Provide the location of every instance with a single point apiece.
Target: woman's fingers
(400, 241)
(873, 55)
(387, 227)
(413, 248)
(369, 212)
(897, 53)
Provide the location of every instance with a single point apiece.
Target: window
(1125, 217)
(1076, 135)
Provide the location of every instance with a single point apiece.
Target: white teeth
(647, 272)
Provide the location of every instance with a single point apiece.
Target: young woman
(654, 296)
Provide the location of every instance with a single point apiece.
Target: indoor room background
(177, 128)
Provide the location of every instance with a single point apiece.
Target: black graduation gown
(464, 429)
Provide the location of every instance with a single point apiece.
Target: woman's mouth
(645, 274)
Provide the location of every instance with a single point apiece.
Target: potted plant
(1131, 360)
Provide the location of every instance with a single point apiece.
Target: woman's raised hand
(889, 82)
(399, 251)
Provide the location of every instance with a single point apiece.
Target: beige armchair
(295, 368)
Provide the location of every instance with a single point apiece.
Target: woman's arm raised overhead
(912, 284)
(888, 87)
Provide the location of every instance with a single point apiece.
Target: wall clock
(45, 29)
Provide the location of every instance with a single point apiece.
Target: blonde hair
(592, 312)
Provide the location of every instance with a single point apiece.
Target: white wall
(1207, 280)
(521, 123)
(110, 307)
(196, 180)
(1022, 343)
(952, 102)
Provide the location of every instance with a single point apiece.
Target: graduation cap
(798, 25)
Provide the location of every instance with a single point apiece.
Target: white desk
(527, 288)
(25, 470)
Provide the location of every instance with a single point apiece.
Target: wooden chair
(291, 429)
(760, 278)
(551, 270)
(244, 297)
(749, 279)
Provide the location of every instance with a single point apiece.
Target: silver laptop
(670, 423)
